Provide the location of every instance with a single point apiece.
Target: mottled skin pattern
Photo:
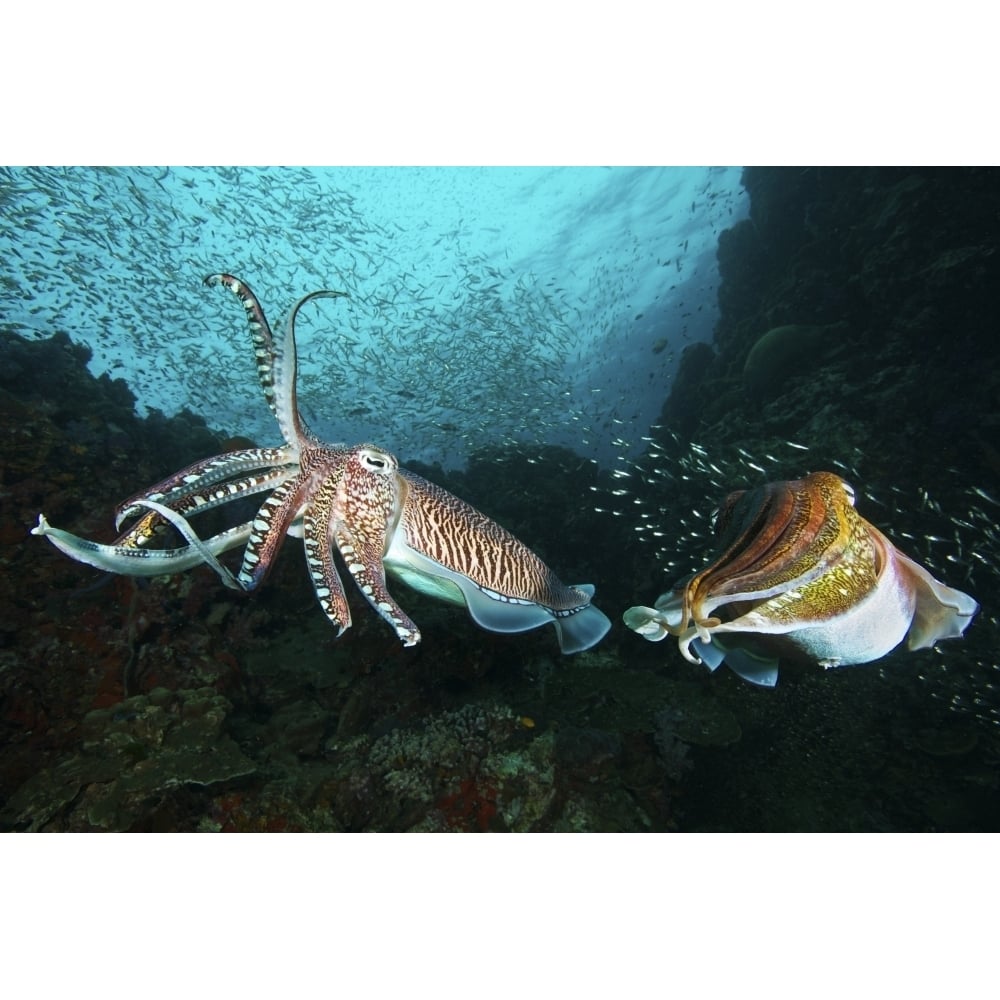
(365, 514)
(352, 499)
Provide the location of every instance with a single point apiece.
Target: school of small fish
(453, 337)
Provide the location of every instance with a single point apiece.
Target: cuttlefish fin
(762, 670)
(654, 624)
(582, 629)
(941, 612)
(713, 654)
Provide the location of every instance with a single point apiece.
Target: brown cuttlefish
(802, 576)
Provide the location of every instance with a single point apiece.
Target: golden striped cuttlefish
(802, 576)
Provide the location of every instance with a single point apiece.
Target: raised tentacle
(260, 333)
(276, 360)
(285, 370)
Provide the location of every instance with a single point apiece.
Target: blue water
(487, 305)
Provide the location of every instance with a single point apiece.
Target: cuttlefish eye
(377, 461)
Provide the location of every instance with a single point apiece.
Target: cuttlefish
(356, 501)
(802, 576)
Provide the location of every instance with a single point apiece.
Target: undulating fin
(582, 629)
(941, 612)
(760, 670)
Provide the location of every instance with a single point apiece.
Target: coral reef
(134, 758)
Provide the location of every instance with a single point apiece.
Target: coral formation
(133, 760)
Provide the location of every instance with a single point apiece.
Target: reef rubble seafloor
(175, 704)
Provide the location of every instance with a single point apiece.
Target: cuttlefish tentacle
(290, 421)
(268, 530)
(276, 359)
(260, 333)
(777, 536)
(190, 536)
(199, 476)
(318, 541)
(200, 487)
(151, 524)
(136, 560)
